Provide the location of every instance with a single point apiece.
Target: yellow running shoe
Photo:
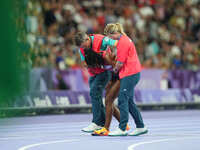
(101, 132)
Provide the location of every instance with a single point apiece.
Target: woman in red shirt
(129, 67)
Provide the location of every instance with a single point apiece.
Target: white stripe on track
(148, 121)
(82, 124)
(19, 137)
(46, 143)
(160, 134)
(72, 130)
(131, 147)
(42, 124)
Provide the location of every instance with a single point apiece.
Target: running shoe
(118, 132)
(91, 128)
(139, 131)
(101, 132)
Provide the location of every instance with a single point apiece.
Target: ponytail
(120, 28)
(114, 28)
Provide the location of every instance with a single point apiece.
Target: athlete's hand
(84, 64)
(110, 58)
(118, 66)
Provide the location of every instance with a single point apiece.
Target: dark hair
(79, 38)
(93, 59)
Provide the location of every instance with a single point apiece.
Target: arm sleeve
(81, 55)
(108, 42)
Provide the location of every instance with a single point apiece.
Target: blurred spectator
(60, 63)
(61, 83)
(166, 33)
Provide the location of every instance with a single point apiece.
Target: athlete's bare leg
(112, 90)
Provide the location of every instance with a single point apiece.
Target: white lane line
(131, 147)
(152, 125)
(46, 143)
(42, 124)
(19, 137)
(148, 121)
(175, 128)
(88, 134)
(11, 138)
(163, 135)
(152, 132)
(44, 128)
(70, 130)
(81, 124)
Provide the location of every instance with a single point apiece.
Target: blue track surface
(168, 130)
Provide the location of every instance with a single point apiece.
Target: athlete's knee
(108, 103)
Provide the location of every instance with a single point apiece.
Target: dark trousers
(97, 85)
(126, 102)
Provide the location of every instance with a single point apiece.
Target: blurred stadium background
(166, 34)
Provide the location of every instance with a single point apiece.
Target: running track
(168, 130)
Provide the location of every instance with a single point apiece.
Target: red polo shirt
(127, 54)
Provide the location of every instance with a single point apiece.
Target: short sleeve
(108, 42)
(81, 55)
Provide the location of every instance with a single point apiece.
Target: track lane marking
(46, 143)
(131, 147)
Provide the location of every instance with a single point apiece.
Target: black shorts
(115, 76)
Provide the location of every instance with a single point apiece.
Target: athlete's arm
(118, 66)
(108, 55)
(107, 42)
(110, 59)
(81, 55)
(83, 63)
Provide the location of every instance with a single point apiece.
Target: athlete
(112, 91)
